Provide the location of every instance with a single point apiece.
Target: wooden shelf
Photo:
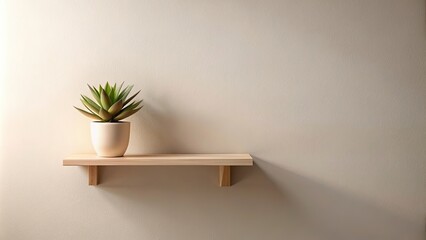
(223, 161)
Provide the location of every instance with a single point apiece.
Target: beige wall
(328, 96)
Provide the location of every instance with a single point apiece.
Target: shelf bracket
(93, 175)
(224, 176)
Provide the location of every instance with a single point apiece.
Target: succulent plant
(110, 103)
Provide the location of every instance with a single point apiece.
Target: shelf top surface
(161, 160)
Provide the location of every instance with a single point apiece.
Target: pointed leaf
(131, 98)
(93, 106)
(94, 93)
(126, 114)
(108, 88)
(125, 92)
(105, 101)
(104, 115)
(113, 95)
(87, 114)
(120, 95)
(116, 107)
(96, 90)
(131, 106)
(119, 89)
(88, 106)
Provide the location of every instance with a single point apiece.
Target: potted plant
(111, 104)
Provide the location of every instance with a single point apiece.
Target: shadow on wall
(337, 215)
(292, 206)
(266, 198)
(163, 127)
(187, 201)
(158, 133)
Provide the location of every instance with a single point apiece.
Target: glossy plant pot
(110, 139)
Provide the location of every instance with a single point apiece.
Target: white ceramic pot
(110, 139)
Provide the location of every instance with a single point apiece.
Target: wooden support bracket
(93, 175)
(224, 176)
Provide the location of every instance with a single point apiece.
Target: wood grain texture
(161, 160)
(93, 175)
(224, 176)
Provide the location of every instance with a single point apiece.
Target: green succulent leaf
(95, 93)
(87, 114)
(88, 107)
(125, 92)
(126, 113)
(119, 89)
(96, 90)
(108, 88)
(131, 106)
(131, 98)
(113, 95)
(110, 103)
(105, 115)
(105, 100)
(92, 105)
(116, 107)
(135, 104)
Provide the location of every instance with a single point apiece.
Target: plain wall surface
(328, 96)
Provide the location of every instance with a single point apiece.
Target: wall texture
(328, 96)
